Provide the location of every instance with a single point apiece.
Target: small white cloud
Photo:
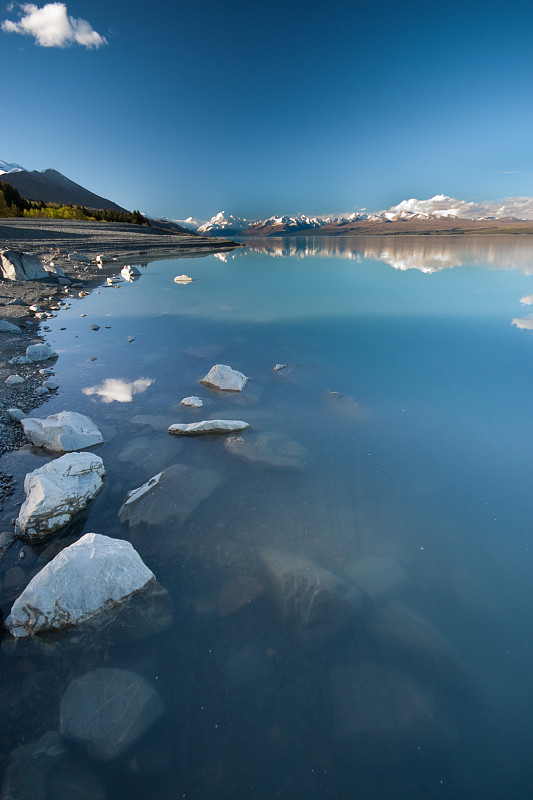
(525, 323)
(51, 26)
(119, 390)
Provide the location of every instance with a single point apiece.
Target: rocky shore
(28, 303)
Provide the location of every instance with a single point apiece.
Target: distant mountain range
(439, 214)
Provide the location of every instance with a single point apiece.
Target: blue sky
(257, 107)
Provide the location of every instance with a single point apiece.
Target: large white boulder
(40, 352)
(57, 491)
(221, 376)
(109, 710)
(63, 432)
(88, 577)
(208, 426)
(18, 266)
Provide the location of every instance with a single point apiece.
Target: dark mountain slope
(51, 186)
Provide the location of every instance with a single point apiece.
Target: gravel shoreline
(53, 240)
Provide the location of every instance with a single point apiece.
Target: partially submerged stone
(314, 603)
(183, 279)
(86, 578)
(62, 432)
(169, 498)
(130, 273)
(208, 426)
(272, 449)
(40, 352)
(109, 710)
(223, 377)
(192, 402)
(57, 491)
(18, 266)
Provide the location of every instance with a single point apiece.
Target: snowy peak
(6, 168)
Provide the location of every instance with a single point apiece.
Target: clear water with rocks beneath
(352, 591)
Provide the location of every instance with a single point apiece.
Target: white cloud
(117, 389)
(51, 26)
(444, 206)
(525, 323)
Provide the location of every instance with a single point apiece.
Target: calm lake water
(389, 461)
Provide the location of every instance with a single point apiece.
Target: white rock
(192, 402)
(183, 279)
(18, 266)
(208, 426)
(102, 258)
(130, 273)
(84, 579)
(13, 380)
(40, 352)
(45, 371)
(221, 376)
(57, 491)
(62, 432)
(8, 327)
(277, 367)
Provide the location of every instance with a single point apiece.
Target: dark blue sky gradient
(269, 107)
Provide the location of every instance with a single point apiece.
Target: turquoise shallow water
(407, 387)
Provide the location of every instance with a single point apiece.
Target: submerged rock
(63, 432)
(76, 782)
(109, 710)
(18, 266)
(376, 576)
(57, 491)
(169, 498)
(26, 776)
(385, 713)
(238, 593)
(273, 449)
(83, 580)
(183, 279)
(313, 602)
(208, 426)
(223, 377)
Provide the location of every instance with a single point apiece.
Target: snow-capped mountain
(6, 168)
(440, 207)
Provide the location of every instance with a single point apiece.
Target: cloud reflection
(116, 389)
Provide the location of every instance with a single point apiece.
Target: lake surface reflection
(351, 582)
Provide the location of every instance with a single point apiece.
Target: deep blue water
(409, 384)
